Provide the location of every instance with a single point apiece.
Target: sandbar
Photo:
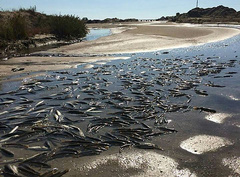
(147, 37)
(126, 38)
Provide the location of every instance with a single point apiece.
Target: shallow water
(93, 34)
(131, 99)
(97, 33)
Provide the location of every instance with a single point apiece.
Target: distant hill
(112, 20)
(207, 15)
(219, 11)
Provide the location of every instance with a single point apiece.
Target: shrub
(67, 27)
(31, 10)
(14, 29)
(63, 27)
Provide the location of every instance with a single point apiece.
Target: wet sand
(42, 64)
(145, 37)
(126, 38)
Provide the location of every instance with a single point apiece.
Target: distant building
(146, 20)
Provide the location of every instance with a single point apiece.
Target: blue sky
(101, 9)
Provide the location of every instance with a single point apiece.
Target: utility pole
(197, 4)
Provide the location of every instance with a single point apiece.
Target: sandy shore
(37, 64)
(126, 38)
(146, 37)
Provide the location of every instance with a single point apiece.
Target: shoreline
(144, 37)
(43, 64)
(125, 39)
(183, 112)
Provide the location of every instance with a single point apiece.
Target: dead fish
(75, 112)
(231, 72)
(58, 116)
(205, 109)
(74, 128)
(26, 102)
(201, 92)
(28, 171)
(69, 105)
(116, 142)
(44, 80)
(17, 69)
(124, 146)
(7, 152)
(4, 112)
(38, 164)
(38, 148)
(34, 157)
(145, 125)
(11, 161)
(227, 76)
(154, 134)
(11, 170)
(13, 130)
(92, 110)
(15, 145)
(168, 129)
(214, 85)
(164, 53)
(40, 103)
(6, 102)
(47, 144)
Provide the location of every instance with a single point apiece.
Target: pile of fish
(79, 112)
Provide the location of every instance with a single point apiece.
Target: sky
(101, 9)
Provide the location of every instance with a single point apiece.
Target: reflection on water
(97, 33)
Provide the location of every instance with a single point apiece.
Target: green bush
(22, 25)
(67, 27)
(14, 29)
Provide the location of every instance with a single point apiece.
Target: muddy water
(160, 98)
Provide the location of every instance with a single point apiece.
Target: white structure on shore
(146, 20)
